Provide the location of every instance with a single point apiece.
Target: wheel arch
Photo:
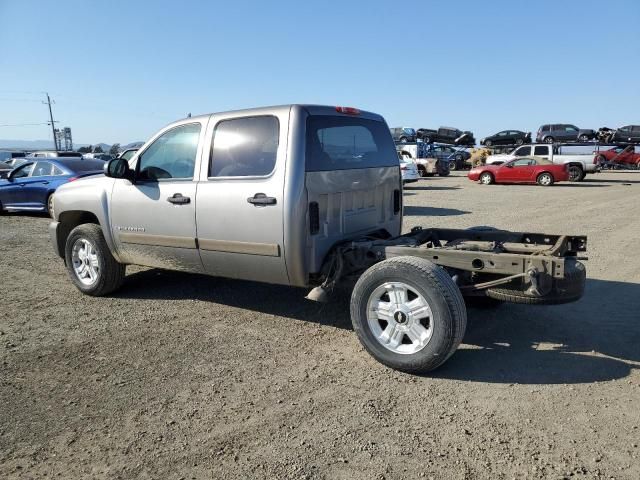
(70, 219)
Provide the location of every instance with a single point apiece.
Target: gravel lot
(181, 376)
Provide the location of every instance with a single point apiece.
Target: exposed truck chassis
(516, 267)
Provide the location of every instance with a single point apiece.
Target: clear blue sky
(119, 70)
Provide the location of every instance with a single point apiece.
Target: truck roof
(310, 108)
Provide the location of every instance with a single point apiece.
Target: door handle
(178, 199)
(45, 183)
(261, 200)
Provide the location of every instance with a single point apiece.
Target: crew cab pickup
(579, 164)
(306, 196)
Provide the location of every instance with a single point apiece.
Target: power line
(21, 124)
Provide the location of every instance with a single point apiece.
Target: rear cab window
(347, 143)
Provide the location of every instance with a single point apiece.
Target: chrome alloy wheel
(85, 261)
(400, 318)
(545, 179)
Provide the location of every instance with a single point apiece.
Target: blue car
(30, 186)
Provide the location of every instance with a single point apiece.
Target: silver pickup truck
(307, 196)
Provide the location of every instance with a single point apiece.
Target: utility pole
(53, 125)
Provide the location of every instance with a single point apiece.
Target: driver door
(517, 171)
(153, 220)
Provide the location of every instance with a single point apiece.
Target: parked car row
(547, 133)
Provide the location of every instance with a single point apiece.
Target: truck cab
(259, 194)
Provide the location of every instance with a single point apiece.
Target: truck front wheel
(90, 263)
(408, 314)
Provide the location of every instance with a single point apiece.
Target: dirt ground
(181, 376)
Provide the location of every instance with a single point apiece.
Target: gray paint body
(219, 232)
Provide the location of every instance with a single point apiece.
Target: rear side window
(541, 150)
(345, 143)
(244, 147)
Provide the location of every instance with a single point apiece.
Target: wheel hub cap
(400, 318)
(85, 261)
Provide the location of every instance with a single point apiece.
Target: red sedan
(624, 155)
(522, 170)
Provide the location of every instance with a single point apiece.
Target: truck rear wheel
(576, 174)
(90, 264)
(408, 314)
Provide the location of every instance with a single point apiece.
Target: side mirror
(509, 165)
(118, 168)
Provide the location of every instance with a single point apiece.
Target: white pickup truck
(579, 163)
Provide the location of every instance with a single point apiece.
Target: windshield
(344, 143)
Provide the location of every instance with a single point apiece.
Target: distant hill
(48, 145)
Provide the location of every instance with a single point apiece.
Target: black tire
(564, 290)
(490, 177)
(111, 273)
(422, 171)
(453, 165)
(403, 139)
(444, 173)
(584, 138)
(576, 174)
(519, 141)
(549, 140)
(601, 159)
(488, 143)
(449, 314)
(545, 179)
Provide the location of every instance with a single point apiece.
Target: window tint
(522, 151)
(24, 171)
(503, 134)
(343, 143)
(636, 128)
(244, 147)
(172, 155)
(541, 150)
(625, 129)
(42, 169)
(57, 171)
(570, 128)
(545, 128)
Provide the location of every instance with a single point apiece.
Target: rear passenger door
(542, 151)
(240, 207)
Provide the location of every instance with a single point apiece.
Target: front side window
(23, 171)
(524, 162)
(625, 129)
(172, 155)
(244, 147)
(344, 143)
(522, 151)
